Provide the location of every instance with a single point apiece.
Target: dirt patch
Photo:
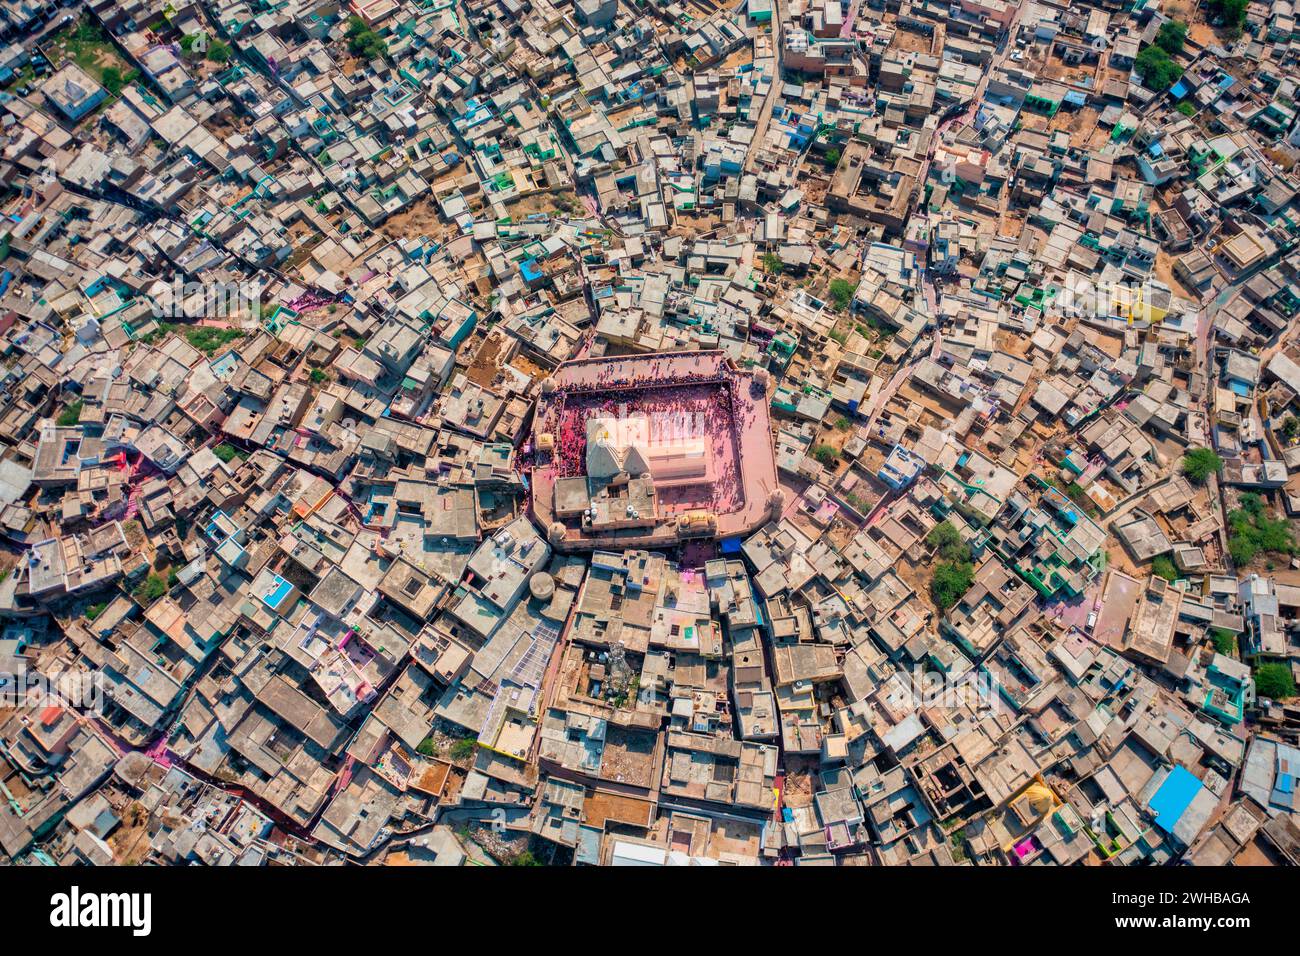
(1164, 270)
(487, 362)
(504, 845)
(628, 757)
(601, 807)
(421, 218)
(1199, 30)
(800, 781)
(130, 841)
(563, 202)
(1081, 124)
(530, 368)
(1017, 345)
(917, 575)
(136, 539)
(911, 41)
(736, 58)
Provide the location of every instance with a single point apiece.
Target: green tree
(112, 80)
(832, 157)
(363, 41)
(950, 581)
(1224, 640)
(947, 541)
(88, 30)
(1079, 496)
(957, 840)
(151, 589)
(1186, 108)
(1252, 530)
(1156, 69)
(225, 452)
(772, 263)
(1171, 35)
(1164, 567)
(842, 293)
(218, 51)
(464, 748)
(1290, 427)
(874, 324)
(826, 455)
(161, 331)
(1200, 463)
(70, 415)
(1242, 551)
(1233, 13)
(208, 339)
(1274, 681)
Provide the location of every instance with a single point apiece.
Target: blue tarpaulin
(1174, 797)
(530, 270)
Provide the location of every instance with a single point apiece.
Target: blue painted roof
(1174, 796)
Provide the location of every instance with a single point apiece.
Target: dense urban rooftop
(784, 432)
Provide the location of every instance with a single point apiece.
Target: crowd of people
(655, 377)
